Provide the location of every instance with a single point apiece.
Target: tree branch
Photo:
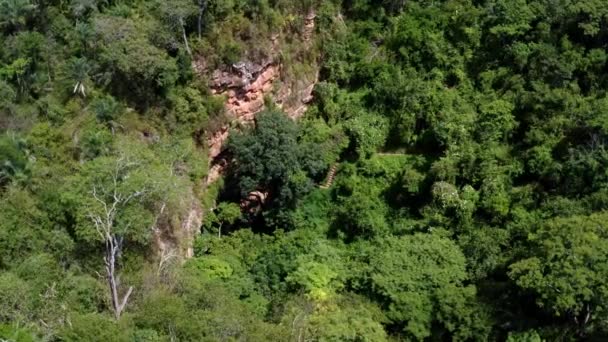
(125, 299)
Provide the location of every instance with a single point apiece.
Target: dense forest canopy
(448, 180)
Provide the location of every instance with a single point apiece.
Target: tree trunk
(112, 252)
(202, 5)
(181, 22)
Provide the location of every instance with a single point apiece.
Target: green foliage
(348, 318)
(268, 155)
(14, 300)
(168, 315)
(361, 211)
(528, 336)
(189, 111)
(106, 109)
(314, 278)
(16, 333)
(463, 143)
(14, 13)
(268, 158)
(421, 280)
(565, 266)
(209, 268)
(26, 229)
(14, 156)
(125, 48)
(94, 327)
(225, 213)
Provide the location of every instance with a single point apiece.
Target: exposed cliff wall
(175, 229)
(249, 83)
(246, 86)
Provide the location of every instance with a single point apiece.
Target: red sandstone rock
(246, 85)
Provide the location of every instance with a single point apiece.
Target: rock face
(309, 27)
(254, 202)
(247, 84)
(216, 141)
(173, 236)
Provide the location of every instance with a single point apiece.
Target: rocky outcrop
(309, 27)
(246, 90)
(173, 235)
(247, 84)
(216, 142)
(254, 202)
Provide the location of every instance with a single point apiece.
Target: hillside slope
(277, 170)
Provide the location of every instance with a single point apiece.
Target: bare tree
(112, 198)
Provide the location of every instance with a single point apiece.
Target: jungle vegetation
(469, 140)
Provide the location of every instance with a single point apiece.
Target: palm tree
(14, 158)
(13, 13)
(79, 69)
(84, 34)
(81, 8)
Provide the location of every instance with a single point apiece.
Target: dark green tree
(268, 159)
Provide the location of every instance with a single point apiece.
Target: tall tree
(567, 267)
(202, 6)
(111, 198)
(176, 15)
(421, 280)
(268, 159)
(13, 13)
(118, 200)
